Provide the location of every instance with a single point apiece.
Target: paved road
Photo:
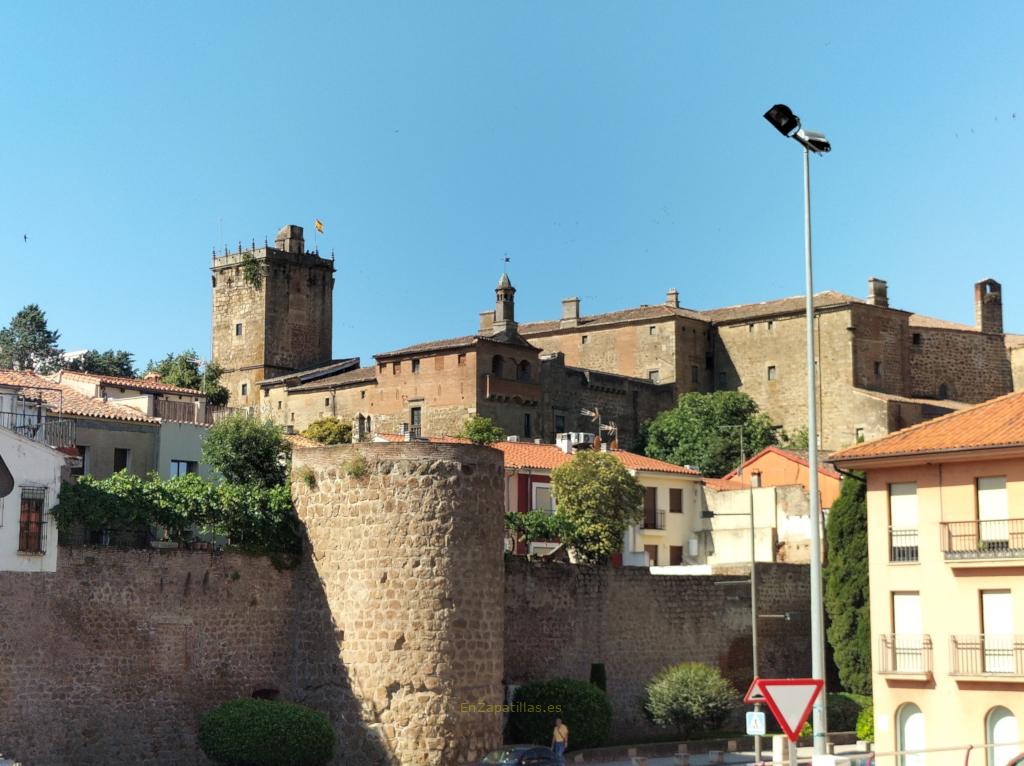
(803, 754)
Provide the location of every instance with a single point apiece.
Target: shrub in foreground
(866, 724)
(582, 707)
(690, 697)
(844, 710)
(258, 732)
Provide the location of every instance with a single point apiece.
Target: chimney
(289, 239)
(570, 312)
(486, 322)
(153, 375)
(672, 299)
(878, 292)
(988, 306)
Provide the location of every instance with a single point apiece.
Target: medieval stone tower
(272, 311)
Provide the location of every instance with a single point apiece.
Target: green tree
(690, 697)
(329, 431)
(599, 499)
(185, 369)
(27, 343)
(111, 362)
(846, 586)
(246, 450)
(481, 430)
(693, 434)
(537, 525)
(796, 440)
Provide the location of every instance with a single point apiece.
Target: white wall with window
(180, 450)
(28, 536)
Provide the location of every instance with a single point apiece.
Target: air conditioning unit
(573, 440)
(512, 438)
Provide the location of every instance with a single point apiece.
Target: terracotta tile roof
(1013, 341)
(948, 404)
(298, 440)
(797, 456)
(638, 314)
(349, 378)
(724, 484)
(790, 305)
(920, 320)
(463, 341)
(311, 373)
(550, 456)
(138, 384)
(66, 399)
(996, 423)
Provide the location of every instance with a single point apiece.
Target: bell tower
(272, 313)
(505, 307)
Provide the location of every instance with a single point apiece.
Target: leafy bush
(329, 431)
(866, 724)
(599, 498)
(257, 519)
(582, 707)
(256, 732)
(691, 697)
(247, 450)
(536, 525)
(844, 710)
(481, 430)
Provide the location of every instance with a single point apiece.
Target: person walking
(560, 740)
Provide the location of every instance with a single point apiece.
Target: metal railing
(56, 432)
(32, 536)
(902, 545)
(986, 655)
(1001, 538)
(653, 520)
(900, 653)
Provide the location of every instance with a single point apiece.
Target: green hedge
(256, 519)
(256, 732)
(582, 707)
(844, 710)
(866, 724)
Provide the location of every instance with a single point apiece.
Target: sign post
(790, 700)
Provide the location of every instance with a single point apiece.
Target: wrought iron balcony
(902, 545)
(900, 654)
(1000, 539)
(990, 656)
(653, 520)
(56, 432)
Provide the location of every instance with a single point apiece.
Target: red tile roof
(137, 384)
(67, 400)
(794, 304)
(799, 457)
(996, 423)
(550, 456)
(638, 314)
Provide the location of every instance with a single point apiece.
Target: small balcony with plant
(980, 542)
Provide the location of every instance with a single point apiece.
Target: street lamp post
(788, 124)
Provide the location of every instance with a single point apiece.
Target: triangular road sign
(754, 693)
(790, 700)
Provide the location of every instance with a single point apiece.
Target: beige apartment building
(945, 505)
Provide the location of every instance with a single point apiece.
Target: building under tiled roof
(638, 314)
(463, 341)
(350, 378)
(920, 320)
(792, 305)
(138, 384)
(314, 373)
(66, 400)
(996, 423)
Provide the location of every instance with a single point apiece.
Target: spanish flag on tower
(319, 225)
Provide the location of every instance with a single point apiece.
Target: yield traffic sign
(790, 699)
(754, 693)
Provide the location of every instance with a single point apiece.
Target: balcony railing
(999, 539)
(986, 655)
(180, 412)
(56, 432)
(903, 654)
(902, 545)
(514, 390)
(653, 520)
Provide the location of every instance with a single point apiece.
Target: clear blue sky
(612, 150)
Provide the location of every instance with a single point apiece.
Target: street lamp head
(813, 141)
(783, 120)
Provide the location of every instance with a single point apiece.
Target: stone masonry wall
(971, 366)
(115, 657)
(561, 618)
(406, 541)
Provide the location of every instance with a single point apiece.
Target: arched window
(497, 366)
(360, 426)
(910, 735)
(523, 371)
(1001, 731)
(943, 391)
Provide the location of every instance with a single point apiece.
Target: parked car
(518, 755)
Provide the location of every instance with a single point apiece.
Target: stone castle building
(880, 368)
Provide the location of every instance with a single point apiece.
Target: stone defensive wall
(406, 540)
(560, 619)
(402, 614)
